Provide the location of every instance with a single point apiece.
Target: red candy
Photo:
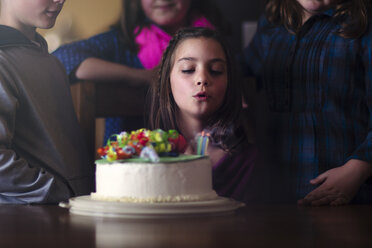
(179, 144)
(102, 151)
(122, 154)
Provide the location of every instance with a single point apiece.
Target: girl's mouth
(165, 7)
(201, 96)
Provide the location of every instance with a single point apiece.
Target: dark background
(238, 11)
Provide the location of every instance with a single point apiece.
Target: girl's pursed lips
(164, 6)
(202, 95)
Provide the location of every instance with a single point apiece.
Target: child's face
(32, 13)
(199, 77)
(169, 14)
(315, 6)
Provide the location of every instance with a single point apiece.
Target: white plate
(85, 205)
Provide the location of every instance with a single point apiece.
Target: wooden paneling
(102, 99)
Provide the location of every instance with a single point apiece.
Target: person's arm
(102, 70)
(20, 181)
(103, 58)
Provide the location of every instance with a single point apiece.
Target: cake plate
(85, 205)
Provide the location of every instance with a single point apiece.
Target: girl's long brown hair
(353, 13)
(164, 110)
(132, 16)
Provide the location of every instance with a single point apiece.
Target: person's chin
(47, 25)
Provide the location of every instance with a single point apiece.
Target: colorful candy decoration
(143, 143)
(148, 153)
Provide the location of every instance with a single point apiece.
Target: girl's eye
(188, 71)
(216, 72)
(217, 69)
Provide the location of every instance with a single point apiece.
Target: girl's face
(23, 14)
(198, 78)
(169, 14)
(313, 7)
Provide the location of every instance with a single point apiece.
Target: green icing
(179, 158)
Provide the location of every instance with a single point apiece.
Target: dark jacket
(43, 158)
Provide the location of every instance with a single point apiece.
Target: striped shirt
(315, 98)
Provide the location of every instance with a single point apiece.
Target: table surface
(250, 226)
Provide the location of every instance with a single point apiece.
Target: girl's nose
(202, 83)
(202, 78)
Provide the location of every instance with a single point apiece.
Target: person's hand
(338, 186)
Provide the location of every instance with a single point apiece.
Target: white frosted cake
(183, 178)
(143, 176)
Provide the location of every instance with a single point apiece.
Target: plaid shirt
(315, 98)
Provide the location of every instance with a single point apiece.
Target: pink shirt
(153, 41)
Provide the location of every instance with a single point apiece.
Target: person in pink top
(131, 50)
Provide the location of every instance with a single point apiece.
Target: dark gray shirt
(43, 157)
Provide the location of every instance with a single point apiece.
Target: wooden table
(250, 226)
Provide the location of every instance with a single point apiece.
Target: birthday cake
(147, 166)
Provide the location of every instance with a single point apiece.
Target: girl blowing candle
(197, 91)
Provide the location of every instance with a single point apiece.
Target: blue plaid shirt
(314, 99)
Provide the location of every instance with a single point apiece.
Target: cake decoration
(148, 166)
(143, 143)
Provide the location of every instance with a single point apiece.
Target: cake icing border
(159, 199)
